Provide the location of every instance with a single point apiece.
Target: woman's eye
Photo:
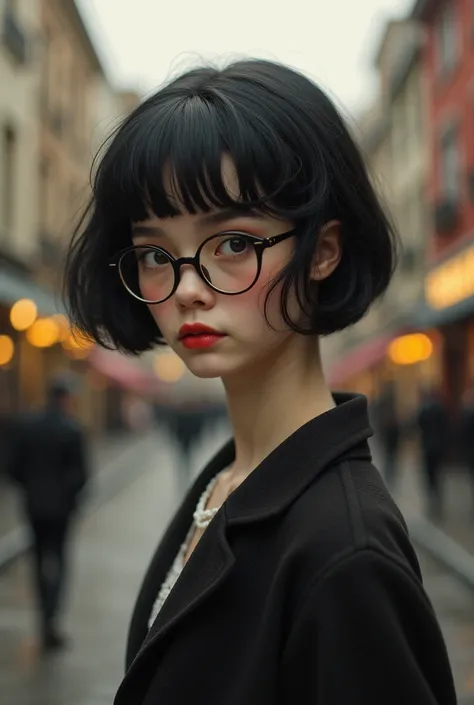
(153, 258)
(233, 246)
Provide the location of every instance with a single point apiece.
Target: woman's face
(246, 338)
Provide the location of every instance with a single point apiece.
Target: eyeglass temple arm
(270, 241)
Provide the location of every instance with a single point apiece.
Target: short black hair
(295, 159)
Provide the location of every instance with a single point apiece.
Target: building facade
(393, 138)
(70, 74)
(448, 64)
(19, 79)
(56, 107)
(20, 59)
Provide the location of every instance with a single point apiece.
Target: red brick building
(449, 287)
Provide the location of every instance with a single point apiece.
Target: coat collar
(286, 472)
(289, 468)
(336, 435)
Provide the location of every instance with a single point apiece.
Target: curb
(114, 477)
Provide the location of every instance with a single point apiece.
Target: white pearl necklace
(202, 516)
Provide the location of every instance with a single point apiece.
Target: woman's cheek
(251, 306)
(162, 313)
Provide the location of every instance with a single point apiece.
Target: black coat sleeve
(367, 635)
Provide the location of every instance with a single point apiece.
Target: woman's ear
(328, 251)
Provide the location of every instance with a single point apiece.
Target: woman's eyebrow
(146, 230)
(225, 214)
(215, 218)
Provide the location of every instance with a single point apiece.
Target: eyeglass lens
(228, 263)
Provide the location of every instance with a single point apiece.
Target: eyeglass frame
(260, 244)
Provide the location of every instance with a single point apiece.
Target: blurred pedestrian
(467, 436)
(432, 421)
(388, 429)
(245, 227)
(188, 425)
(47, 460)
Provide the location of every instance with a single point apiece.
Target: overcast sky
(143, 41)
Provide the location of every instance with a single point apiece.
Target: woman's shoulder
(348, 510)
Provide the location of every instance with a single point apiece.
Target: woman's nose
(192, 291)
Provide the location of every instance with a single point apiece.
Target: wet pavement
(113, 544)
(454, 605)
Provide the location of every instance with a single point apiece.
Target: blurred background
(402, 72)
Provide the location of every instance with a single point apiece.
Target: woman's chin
(210, 366)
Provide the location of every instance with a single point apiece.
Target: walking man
(47, 460)
(433, 428)
(388, 426)
(467, 436)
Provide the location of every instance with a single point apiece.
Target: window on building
(398, 131)
(471, 23)
(414, 112)
(448, 39)
(44, 191)
(424, 215)
(8, 181)
(450, 167)
(46, 72)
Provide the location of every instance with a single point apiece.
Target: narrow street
(114, 543)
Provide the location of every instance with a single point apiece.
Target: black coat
(433, 424)
(304, 589)
(467, 435)
(47, 458)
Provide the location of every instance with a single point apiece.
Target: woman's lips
(197, 335)
(201, 340)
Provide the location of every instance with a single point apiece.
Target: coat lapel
(208, 566)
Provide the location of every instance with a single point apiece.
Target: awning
(124, 372)
(448, 294)
(423, 317)
(16, 285)
(360, 358)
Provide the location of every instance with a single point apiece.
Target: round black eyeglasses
(229, 263)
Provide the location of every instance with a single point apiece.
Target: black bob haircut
(295, 159)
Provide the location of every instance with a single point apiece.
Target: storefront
(36, 344)
(448, 309)
(22, 365)
(405, 359)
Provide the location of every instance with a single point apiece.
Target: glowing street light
(7, 349)
(44, 333)
(410, 349)
(23, 314)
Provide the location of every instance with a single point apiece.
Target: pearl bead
(202, 516)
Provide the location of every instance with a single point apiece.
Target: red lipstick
(196, 335)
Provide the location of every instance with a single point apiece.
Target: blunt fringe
(295, 159)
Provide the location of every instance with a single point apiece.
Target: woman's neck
(273, 400)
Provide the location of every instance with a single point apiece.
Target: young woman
(233, 219)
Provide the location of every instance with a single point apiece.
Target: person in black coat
(388, 431)
(47, 460)
(467, 436)
(433, 425)
(233, 219)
